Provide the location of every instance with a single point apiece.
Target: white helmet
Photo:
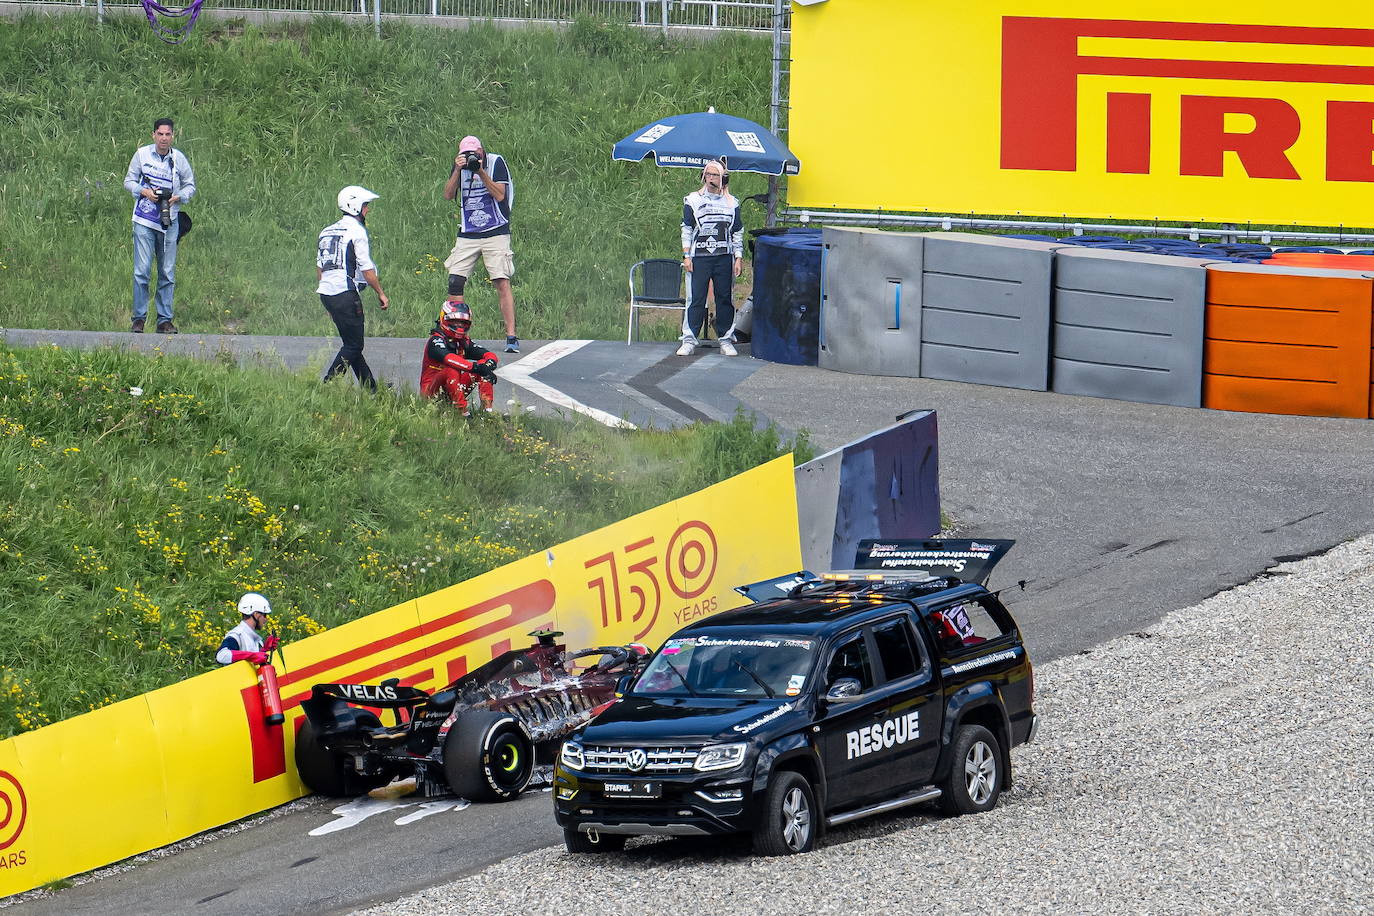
(352, 198)
(253, 603)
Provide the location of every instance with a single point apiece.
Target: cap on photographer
(482, 185)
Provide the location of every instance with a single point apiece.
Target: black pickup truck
(844, 698)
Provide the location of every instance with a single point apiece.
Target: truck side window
(964, 625)
(899, 657)
(851, 660)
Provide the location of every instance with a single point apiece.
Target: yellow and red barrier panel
(1166, 109)
(160, 767)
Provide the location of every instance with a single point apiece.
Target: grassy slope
(130, 524)
(276, 119)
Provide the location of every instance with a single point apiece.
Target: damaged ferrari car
(480, 737)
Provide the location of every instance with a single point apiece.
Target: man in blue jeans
(157, 172)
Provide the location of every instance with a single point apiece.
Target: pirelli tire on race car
(488, 756)
(839, 700)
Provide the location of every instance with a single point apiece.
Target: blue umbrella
(692, 140)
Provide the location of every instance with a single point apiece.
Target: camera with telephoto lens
(471, 161)
(164, 206)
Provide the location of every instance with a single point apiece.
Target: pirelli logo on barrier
(1262, 113)
(1043, 61)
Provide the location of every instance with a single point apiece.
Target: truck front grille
(659, 759)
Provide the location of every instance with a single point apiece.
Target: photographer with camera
(160, 179)
(713, 253)
(481, 183)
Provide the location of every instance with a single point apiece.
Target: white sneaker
(686, 348)
(727, 348)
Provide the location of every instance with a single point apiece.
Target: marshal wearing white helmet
(244, 642)
(343, 266)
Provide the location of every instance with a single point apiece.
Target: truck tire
(580, 842)
(488, 756)
(974, 781)
(787, 824)
(326, 773)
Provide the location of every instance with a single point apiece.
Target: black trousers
(719, 271)
(347, 311)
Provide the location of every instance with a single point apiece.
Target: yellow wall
(156, 768)
(898, 105)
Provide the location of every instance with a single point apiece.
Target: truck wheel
(326, 773)
(787, 824)
(974, 781)
(578, 841)
(488, 756)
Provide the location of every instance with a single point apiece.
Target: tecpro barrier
(871, 296)
(885, 485)
(1288, 340)
(1134, 326)
(168, 764)
(1129, 326)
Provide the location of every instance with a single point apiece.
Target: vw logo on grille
(636, 759)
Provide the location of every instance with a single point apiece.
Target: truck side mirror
(843, 689)
(622, 686)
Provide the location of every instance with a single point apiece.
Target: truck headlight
(721, 756)
(571, 756)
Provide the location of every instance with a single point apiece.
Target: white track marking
(518, 374)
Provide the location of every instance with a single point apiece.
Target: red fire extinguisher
(267, 683)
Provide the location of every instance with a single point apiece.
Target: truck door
(850, 775)
(913, 707)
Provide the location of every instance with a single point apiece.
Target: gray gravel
(1219, 762)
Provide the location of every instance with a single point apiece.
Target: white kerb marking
(519, 374)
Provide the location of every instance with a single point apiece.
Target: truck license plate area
(632, 788)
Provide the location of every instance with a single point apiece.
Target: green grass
(275, 119)
(132, 523)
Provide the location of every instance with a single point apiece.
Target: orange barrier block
(1290, 340)
(1361, 262)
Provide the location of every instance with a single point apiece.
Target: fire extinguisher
(267, 683)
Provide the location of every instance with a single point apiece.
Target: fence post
(665, 16)
(775, 108)
(377, 18)
(100, 11)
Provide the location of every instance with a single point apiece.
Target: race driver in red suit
(453, 363)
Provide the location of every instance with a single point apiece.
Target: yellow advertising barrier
(1259, 112)
(160, 767)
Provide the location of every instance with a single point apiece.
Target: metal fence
(741, 15)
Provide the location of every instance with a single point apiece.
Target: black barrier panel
(787, 297)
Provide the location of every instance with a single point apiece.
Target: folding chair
(660, 287)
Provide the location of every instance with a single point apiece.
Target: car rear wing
(965, 559)
(386, 695)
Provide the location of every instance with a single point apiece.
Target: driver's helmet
(454, 318)
(253, 603)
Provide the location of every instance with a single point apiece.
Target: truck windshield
(729, 665)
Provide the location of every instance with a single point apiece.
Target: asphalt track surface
(1122, 512)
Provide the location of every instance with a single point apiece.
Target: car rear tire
(579, 842)
(974, 782)
(488, 756)
(326, 773)
(788, 822)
